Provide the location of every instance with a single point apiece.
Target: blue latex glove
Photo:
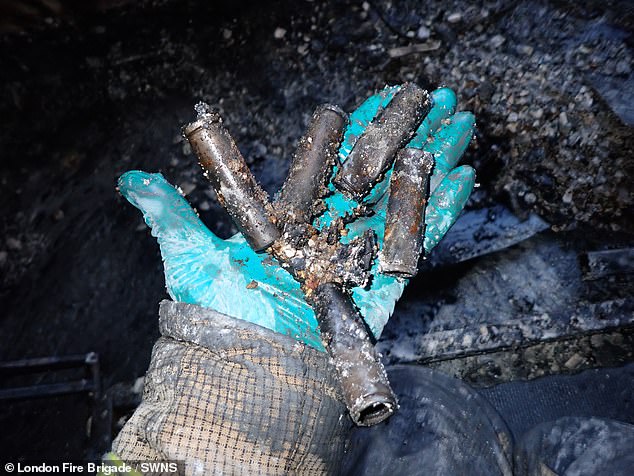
(202, 269)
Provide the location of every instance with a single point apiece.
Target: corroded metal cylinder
(405, 215)
(312, 165)
(366, 389)
(374, 152)
(237, 190)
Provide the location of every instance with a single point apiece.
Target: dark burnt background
(92, 89)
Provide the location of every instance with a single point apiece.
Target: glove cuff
(214, 330)
(224, 396)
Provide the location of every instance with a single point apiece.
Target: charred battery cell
(366, 389)
(374, 152)
(312, 165)
(405, 215)
(237, 190)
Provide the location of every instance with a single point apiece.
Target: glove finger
(446, 204)
(448, 145)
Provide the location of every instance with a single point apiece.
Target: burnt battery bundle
(326, 268)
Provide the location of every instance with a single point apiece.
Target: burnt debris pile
(542, 253)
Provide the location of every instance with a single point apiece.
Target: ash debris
(549, 139)
(548, 81)
(534, 74)
(204, 112)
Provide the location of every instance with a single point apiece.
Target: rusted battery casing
(312, 165)
(237, 190)
(374, 152)
(405, 214)
(366, 389)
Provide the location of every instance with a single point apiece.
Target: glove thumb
(183, 238)
(165, 210)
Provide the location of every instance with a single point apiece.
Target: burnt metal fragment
(237, 190)
(607, 263)
(298, 201)
(405, 216)
(374, 152)
(364, 384)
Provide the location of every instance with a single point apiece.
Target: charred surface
(236, 188)
(374, 152)
(299, 200)
(405, 217)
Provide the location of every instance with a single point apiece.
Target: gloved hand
(229, 277)
(227, 396)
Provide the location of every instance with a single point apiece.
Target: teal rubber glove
(229, 277)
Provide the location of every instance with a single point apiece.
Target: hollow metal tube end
(364, 384)
(398, 270)
(205, 117)
(374, 408)
(362, 377)
(334, 108)
(236, 188)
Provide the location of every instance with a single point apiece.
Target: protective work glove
(202, 269)
(231, 389)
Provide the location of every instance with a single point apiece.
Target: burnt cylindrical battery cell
(405, 214)
(312, 165)
(364, 384)
(374, 152)
(237, 190)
